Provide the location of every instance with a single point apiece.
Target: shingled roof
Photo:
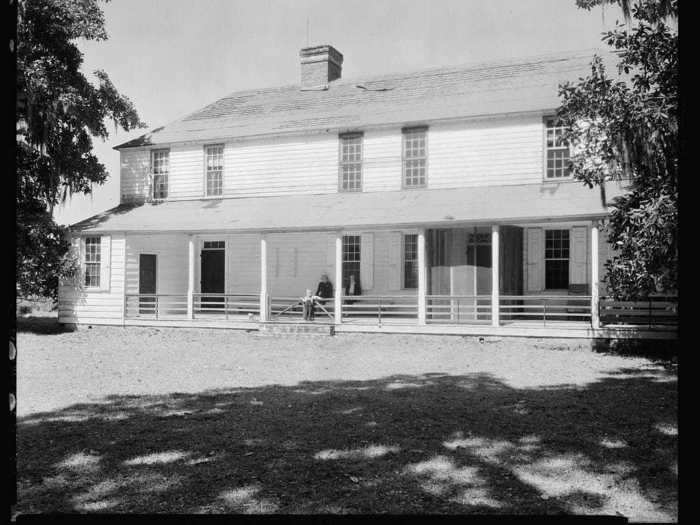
(513, 86)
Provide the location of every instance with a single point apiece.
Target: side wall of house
(495, 151)
(76, 304)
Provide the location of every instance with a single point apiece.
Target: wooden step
(300, 328)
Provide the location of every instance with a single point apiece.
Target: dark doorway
(147, 283)
(213, 278)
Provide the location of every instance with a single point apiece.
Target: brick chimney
(319, 66)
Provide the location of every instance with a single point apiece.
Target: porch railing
(156, 306)
(656, 311)
(380, 308)
(226, 305)
(458, 309)
(291, 308)
(545, 308)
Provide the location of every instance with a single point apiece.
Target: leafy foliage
(59, 110)
(627, 128)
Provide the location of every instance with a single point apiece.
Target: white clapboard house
(445, 191)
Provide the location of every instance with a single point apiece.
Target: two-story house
(446, 192)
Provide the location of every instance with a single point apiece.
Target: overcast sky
(171, 57)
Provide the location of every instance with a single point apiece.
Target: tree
(627, 128)
(59, 110)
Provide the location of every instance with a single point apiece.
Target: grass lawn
(214, 421)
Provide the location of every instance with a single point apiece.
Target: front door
(213, 279)
(147, 283)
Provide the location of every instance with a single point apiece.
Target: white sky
(171, 57)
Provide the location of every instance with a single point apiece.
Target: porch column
(595, 280)
(495, 273)
(338, 290)
(190, 277)
(422, 277)
(264, 303)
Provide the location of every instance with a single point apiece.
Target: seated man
(324, 290)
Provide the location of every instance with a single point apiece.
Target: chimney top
(319, 66)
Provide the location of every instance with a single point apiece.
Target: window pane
(351, 258)
(92, 260)
(351, 163)
(410, 258)
(414, 158)
(557, 151)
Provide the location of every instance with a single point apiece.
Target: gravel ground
(593, 432)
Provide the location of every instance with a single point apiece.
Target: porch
(487, 262)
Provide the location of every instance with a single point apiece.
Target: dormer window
(215, 170)
(160, 166)
(558, 163)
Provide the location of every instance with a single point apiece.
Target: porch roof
(430, 207)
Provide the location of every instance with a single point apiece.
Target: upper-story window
(215, 170)
(414, 157)
(160, 166)
(351, 162)
(92, 262)
(557, 151)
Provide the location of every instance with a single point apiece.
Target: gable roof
(513, 86)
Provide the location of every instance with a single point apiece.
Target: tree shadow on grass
(430, 443)
(43, 325)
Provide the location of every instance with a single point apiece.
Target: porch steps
(301, 328)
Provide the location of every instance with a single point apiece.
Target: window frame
(345, 261)
(92, 263)
(154, 152)
(404, 260)
(207, 172)
(344, 136)
(405, 132)
(545, 172)
(567, 259)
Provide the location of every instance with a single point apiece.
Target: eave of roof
(504, 87)
(392, 209)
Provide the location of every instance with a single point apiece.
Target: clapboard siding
(381, 167)
(297, 260)
(243, 254)
(505, 150)
(77, 305)
(485, 153)
(171, 262)
(281, 166)
(186, 177)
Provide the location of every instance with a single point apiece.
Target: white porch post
(190, 277)
(595, 280)
(338, 290)
(422, 277)
(264, 303)
(495, 272)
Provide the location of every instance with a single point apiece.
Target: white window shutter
(535, 259)
(395, 260)
(577, 262)
(367, 261)
(105, 260)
